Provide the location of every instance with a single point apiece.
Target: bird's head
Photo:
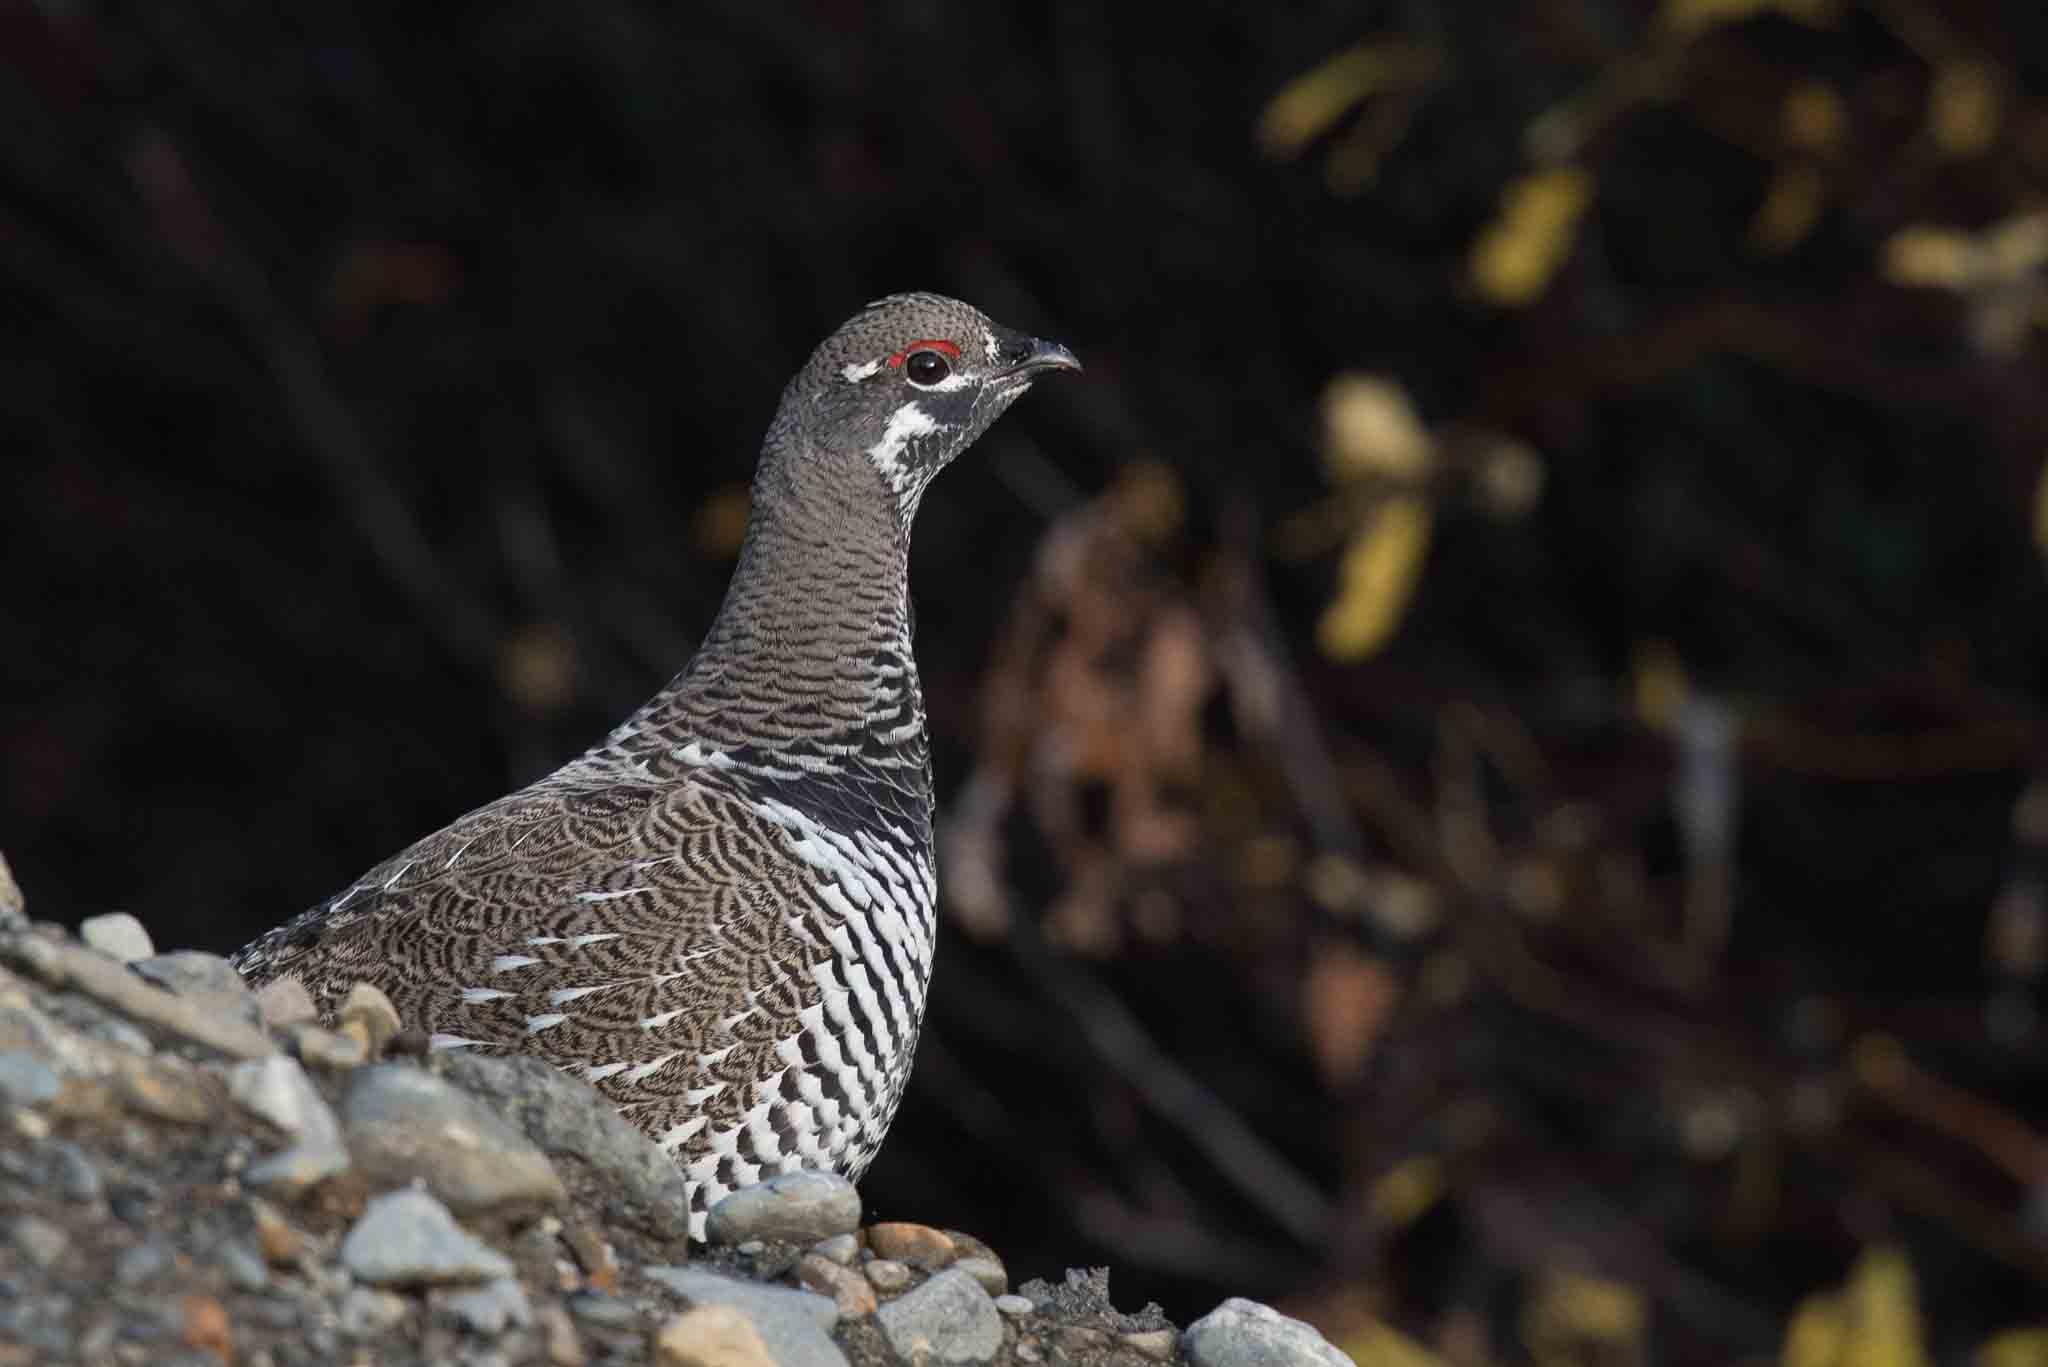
(906, 385)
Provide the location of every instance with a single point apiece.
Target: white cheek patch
(988, 345)
(905, 425)
(954, 381)
(854, 374)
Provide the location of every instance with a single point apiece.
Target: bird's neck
(805, 687)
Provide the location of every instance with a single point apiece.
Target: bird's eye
(926, 368)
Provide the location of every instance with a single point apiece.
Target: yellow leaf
(1309, 104)
(1370, 428)
(1406, 1192)
(1924, 256)
(1376, 579)
(1882, 1308)
(1965, 105)
(1815, 1336)
(1789, 210)
(1813, 117)
(1574, 1318)
(1378, 1346)
(1516, 255)
(2015, 1348)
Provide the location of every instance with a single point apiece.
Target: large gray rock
(796, 1325)
(591, 1145)
(1242, 1333)
(948, 1319)
(402, 1123)
(801, 1207)
(407, 1238)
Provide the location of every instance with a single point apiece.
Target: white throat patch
(905, 424)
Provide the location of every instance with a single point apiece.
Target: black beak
(1029, 357)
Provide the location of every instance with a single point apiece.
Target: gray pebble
(840, 1248)
(243, 1266)
(276, 1089)
(285, 1001)
(948, 1319)
(488, 1309)
(25, 1080)
(1014, 1305)
(141, 1264)
(605, 1312)
(73, 1173)
(991, 1274)
(794, 1324)
(403, 1123)
(407, 1238)
(40, 1241)
(799, 1207)
(118, 936)
(1242, 1333)
(365, 1311)
(887, 1274)
(207, 979)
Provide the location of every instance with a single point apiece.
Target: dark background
(1643, 941)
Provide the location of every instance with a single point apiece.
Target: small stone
(242, 1266)
(793, 1324)
(117, 935)
(33, 1126)
(13, 906)
(142, 1263)
(1078, 1339)
(1027, 1350)
(25, 1080)
(887, 1274)
(367, 1008)
(752, 1248)
(206, 1327)
(40, 1241)
(795, 1207)
(994, 1278)
(849, 1290)
(1244, 1333)
(62, 964)
(602, 1311)
(920, 1246)
(277, 1090)
(365, 1312)
(282, 1245)
(558, 1337)
(711, 1336)
(1014, 1306)
(840, 1248)
(948, 1319)
(204, 978)
(73, 1173)
(488, 1309)
(285, 1001)
(403, 1123)
(1157, 1344)
(320, 1048)
(407, 1238)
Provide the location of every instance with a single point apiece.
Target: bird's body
(724, 914)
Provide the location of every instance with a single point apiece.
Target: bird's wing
(590, 925)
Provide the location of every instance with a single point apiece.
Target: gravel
(186, 1181)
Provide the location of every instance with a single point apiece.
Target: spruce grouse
(723, 914)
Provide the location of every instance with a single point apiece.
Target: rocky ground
(191, 1174)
